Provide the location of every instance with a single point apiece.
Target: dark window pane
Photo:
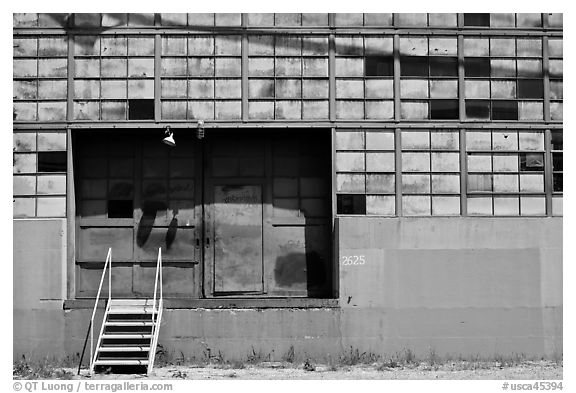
(141, 109)
(557, 161)
(531, 162)
(444, 109)
(557, 140)
(504, 110)
(380, 66)
(477, 109)
(477, 20)
(351, 204)
(558, 186)
(530, 88)
(120, 209)
(443, 66)
(52, 161)
(476, 66)
(414, 66)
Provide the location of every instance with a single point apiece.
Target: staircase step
(125, 336)
(133, 302)
(124, 349)
(121, 362)
(129, 323)
(132, 310)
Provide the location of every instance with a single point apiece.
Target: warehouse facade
(375, 181)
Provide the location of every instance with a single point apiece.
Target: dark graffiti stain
(300, 268)
(149, 211)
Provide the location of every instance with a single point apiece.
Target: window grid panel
(431, 187)
(504, 170)
(39, 174)
(514, 80)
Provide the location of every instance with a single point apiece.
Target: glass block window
(287, 77)
(364, 77)
(505, 173)
(430, 172)
(504, 78)
(39, 174)
(201, 77)
(365, 172)
(114, 77)
(557, 147)
(40, 71)
(429, 78)
(555, 72)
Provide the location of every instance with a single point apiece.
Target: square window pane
(415, 184)
(415, 140)
(414, 66)
(479, 163)
(443, 89)
(445, 140)
(502, 68)
(506, 183)
(379, 140)
(445, 162)
(380, 162)
(531, 162)
(350, 183)
(506, 206)
(479, 183)
(504, 110)
(480, 206)
(446, 206)
(531, 110)
(381, 205)
(505, 140)
(478, 140)
(443, 66)
(379, 66)
(532, 183)
(349, 162)
(416, 205)
(379, 109)
(380, 183)
(444, 109)
(446, 184)
(505, 162)
(532, 206)
(531, 141)
(350, 140)
(476, 67)
(414, 110)
(503, 89)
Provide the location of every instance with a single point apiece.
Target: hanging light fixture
(169, 138)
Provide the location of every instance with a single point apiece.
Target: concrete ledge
(222, 303)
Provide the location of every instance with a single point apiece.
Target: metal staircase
(130, 327)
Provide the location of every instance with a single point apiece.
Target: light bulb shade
(169, 140)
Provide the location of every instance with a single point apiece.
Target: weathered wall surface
(39, 282)
(459, 286)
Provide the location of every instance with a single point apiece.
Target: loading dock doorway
(238, 214)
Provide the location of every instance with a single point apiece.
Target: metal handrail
(107, 265)
(156, 316)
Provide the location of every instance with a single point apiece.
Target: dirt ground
(539, 370)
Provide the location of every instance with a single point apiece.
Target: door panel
(237, 245)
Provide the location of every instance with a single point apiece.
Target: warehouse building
(373, 181)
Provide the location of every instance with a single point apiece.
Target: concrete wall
(459, 286)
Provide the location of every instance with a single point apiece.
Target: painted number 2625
(353, 260)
